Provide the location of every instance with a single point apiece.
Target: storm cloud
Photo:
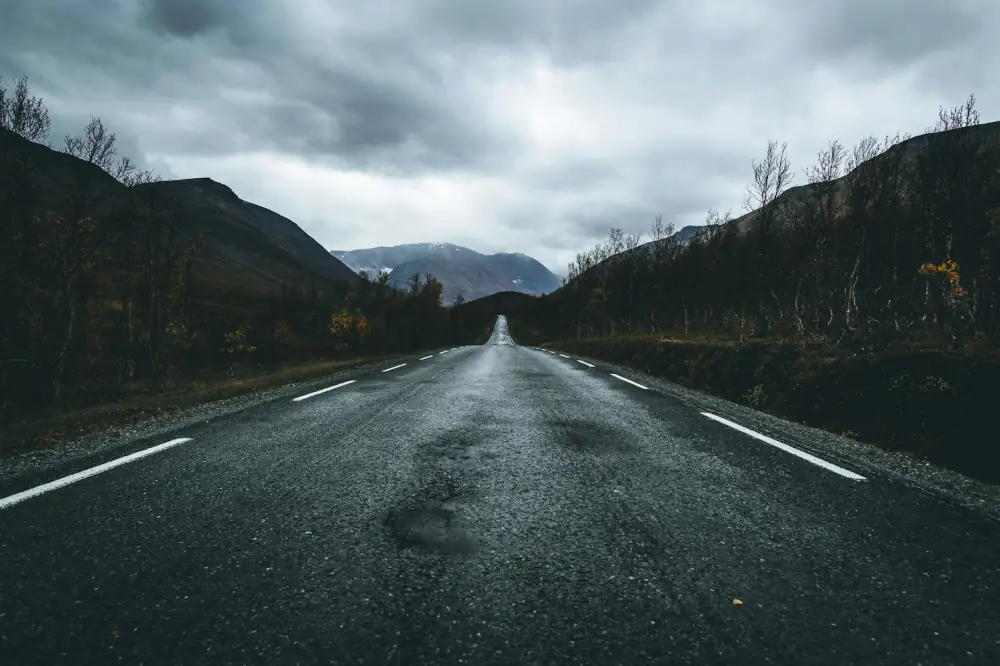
(524, 125)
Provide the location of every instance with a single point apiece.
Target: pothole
(428, 527)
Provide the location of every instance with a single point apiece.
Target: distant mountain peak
(461, 270)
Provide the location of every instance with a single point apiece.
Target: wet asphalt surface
(493, 504)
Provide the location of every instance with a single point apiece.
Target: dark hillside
(115, 285)
(244, 241)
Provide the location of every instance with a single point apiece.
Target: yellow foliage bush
(949, 270)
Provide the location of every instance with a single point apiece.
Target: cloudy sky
(503, 125)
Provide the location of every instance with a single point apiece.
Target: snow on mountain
(461, 270)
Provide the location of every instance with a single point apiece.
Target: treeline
(894, 240)
(99, 299)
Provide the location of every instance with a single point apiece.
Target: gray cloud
(185, 18)
(529, 125)
(572, 32)
(893, 31)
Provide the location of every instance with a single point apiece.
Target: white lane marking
(788, 449)
(73, 478)
(564, 355)
(328, 388)
(395, 367)
(444, 352)
(425, 357)
(629, 381)
(589, 365)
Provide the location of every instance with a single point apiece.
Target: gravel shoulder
(106, 440)
(948, 485)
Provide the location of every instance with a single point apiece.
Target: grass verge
(52, 430)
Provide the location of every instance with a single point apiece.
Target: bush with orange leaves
(949, 270)
(349, 328)
(238, 341)
(340, 323)
(282, 333)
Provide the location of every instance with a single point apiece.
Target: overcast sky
(503, 125)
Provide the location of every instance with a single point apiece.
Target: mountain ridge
(464, 272)
(247, 249)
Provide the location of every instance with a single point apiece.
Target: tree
(771, 177)
(24, 114)
(98, 146)
(964, 115)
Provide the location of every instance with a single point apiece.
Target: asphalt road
(492, 504)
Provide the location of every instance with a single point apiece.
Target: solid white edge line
(836, 469)
(629, 381)
(589, 365)
(73, 478)
(395, 367)
(425, 358)
(328, 388)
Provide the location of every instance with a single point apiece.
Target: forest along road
(493, 504)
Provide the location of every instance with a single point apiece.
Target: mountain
(462, 271)
(248, 251)
(953, 149)
(258, 246)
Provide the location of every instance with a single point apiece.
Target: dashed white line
(328, 388)
(564, 355)
(444, 352)
(629, 381)
(589, 365)
(836, 469)
(73, 478)
(426, 357)
(395, 367)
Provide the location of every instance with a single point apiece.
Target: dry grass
(55, 429)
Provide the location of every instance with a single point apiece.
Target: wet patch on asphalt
(431, 519)
(585, 436)
(430, 527)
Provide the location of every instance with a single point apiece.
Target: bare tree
(23, 114)
(868, 149)
(632, 241)
(771, 177)
(659, 231)
(96, 146)
(964, 115)
(615, 242)
(829, 162)
(716, 224)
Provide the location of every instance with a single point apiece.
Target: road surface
(491, 504)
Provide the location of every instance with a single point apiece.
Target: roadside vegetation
(866, 302)
(101, 310)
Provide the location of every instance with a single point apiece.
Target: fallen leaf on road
(737, 602)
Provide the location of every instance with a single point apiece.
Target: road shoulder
(921, 475)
